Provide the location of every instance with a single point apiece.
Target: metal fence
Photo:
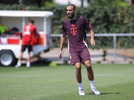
(104, 35)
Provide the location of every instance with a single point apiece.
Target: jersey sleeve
(35, 32)
(88, 27)
(63, 29)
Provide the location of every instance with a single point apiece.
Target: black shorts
(29, 47)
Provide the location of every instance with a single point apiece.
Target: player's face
(70, 12)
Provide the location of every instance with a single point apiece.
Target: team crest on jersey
(73, 29)
(73, 25)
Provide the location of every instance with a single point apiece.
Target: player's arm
(63, 37)
(33, 36)
(32, 40)
(88, 27)
(92, 37)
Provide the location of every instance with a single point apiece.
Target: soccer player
(75, 28)
(27, 42)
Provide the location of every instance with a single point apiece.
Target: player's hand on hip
(60, 54)
(92, 42)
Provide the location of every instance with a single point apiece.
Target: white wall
(75, 2)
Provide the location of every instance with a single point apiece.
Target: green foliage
(115, 19)
(50, 4)
(108, 3)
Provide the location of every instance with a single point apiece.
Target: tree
(107, 2)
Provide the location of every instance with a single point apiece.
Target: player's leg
(75, 60)
(28, 60)
(91, 77)
(78, 72)
(30, 48)
(90, 73)
(85, 55)
(79, 78)
(23, 47)
(20, 57)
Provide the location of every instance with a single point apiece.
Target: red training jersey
(28, 34)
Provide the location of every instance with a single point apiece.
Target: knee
(78, 68)
(88, 65)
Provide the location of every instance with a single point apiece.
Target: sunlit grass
(114, 81)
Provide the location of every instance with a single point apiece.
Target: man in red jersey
(27, 42)
(75, 28)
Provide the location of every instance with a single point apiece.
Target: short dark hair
(72, 5)
(32, 21)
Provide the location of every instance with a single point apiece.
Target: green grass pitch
(41, 82)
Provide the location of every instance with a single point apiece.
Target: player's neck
(30, 24)
(73, 18)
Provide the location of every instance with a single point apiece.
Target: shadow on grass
(41, 62)
(45, 62)
(104, 93)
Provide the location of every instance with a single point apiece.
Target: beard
(71, 17)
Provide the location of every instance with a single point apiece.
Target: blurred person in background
(75, 28)
(28, 36)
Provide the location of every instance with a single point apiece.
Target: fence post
(114, 48)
